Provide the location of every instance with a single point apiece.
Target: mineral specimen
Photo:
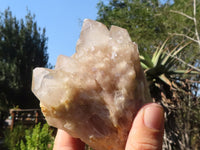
(94, 94)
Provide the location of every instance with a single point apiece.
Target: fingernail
(153, 116)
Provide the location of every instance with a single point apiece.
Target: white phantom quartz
(95, 94)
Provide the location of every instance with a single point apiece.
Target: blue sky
(61, 18)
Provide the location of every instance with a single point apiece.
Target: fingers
(64, 141)
(147, 129)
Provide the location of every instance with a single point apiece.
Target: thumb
(147, 129)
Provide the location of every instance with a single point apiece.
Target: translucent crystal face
(95, 94)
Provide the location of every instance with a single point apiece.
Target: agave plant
(161, 68)
(160, 71)
(162, 63)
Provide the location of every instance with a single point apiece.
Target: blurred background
(34, 33)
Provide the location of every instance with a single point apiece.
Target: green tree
(23, 46)
(182, 20)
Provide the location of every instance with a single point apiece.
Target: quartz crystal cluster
(95, 94)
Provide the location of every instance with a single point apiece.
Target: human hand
(146, 132)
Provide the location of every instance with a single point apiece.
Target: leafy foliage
(33, 138)
(182, 20)
(140, 18)
(22, 48)
(38, 139)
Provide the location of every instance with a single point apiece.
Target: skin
(146, 132)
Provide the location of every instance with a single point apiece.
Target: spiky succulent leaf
(161, 64)
(165, 79)
(158, 54)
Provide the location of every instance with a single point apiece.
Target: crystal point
(95, 94)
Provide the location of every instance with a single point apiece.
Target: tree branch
(188, 37)
(183, 14)
(195, 22)
(191, 66)
(197, 40)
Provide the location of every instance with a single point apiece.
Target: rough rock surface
(95, 94)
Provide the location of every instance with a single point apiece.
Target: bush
(36, 138)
